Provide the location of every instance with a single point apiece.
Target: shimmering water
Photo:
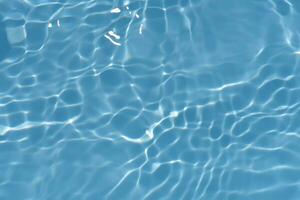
(149, 100)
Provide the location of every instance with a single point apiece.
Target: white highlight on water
(174, 114)
(297, 52)
(141, 28)
(115, 10)
(111, 40)
(111, 33)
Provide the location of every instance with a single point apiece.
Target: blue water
(149, 100)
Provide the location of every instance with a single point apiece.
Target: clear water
(149, 100)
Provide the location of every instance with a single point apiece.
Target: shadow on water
(5, 45)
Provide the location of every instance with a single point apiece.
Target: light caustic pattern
(149, 100)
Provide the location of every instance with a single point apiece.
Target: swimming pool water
(149, 100)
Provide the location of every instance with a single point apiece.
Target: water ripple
(149, 100)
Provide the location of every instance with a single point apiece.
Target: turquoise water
(149, 100)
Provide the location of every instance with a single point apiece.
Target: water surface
(149, 100)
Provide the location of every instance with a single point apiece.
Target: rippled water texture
(149, 100)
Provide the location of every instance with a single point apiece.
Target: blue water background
(149, 100)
